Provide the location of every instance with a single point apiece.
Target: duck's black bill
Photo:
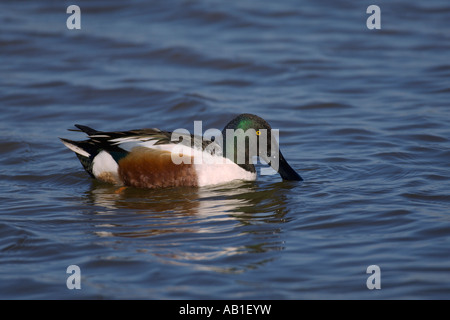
(286, 172)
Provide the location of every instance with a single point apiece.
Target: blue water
(363, 117)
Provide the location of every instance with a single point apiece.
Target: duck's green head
(248, 135)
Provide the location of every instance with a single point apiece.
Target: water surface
(363, 117)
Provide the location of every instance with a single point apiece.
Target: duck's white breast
(217, 170)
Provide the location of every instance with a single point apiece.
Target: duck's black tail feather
(85, 151)
(89, 131)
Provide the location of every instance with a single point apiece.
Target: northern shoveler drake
(152, 158)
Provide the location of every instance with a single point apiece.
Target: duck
(153, 158)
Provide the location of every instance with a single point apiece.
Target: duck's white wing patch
(129, 144)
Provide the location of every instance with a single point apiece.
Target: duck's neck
(231, 152)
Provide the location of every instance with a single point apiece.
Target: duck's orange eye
(258, 133)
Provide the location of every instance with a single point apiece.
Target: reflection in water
(226, 228)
